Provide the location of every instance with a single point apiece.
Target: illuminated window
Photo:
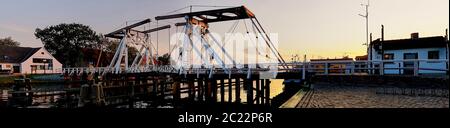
(388, 56)
(41, 67)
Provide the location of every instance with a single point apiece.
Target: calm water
(50, 101)
(276, 87)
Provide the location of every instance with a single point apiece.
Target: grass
(5, 80)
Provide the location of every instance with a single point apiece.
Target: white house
(26, 60)
(429, 53)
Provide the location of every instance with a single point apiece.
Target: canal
(57, 101)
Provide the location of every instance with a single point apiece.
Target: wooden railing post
(416, 67)
(382, 68)
(352, 70)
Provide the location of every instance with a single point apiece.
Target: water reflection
(276, 88)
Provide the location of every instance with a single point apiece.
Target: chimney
(414, 36)
(382, 32)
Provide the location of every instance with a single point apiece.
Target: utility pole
(366, 16)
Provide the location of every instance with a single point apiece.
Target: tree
(164, 59)
(65, 41)
(8, 41)
(110, 46)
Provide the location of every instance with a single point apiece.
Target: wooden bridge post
(230, 90)
(191, 89)
(267, 93)
(214, 90)
(29, 88)
(258, 93)
(130, 84)
(249, 86)
(200, 83)
(261, 92)
(222, 90)
(155, 86)
(176, 90)
(162, 83)
(238, 90)
(208, 85)
(137, 83)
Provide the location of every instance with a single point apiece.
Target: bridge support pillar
(230, 90)
(222, 90)
(191, 90)
(208, 89)
(258, 93)
(176, 90)
(249, 86)
(214, 90)
(200, 83)
(238, 90)
(155, 86)
(163, 84)
(261, 91)
(131, 85)
(267, 93)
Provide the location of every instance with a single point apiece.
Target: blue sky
(319, 28)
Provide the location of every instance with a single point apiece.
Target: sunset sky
(318, 28)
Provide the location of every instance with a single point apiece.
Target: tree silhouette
(164, 59)
(8, 41)
(65, 41)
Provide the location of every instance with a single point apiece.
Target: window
(389, 56)
(410, 56)
(5, 58)
(16, 69)
(33, 67)
(433, 55)
(8, 66)
(0, 66)
(39, 60)
(50, 66)
(40, 67)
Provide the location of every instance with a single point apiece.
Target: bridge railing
(379, 67)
